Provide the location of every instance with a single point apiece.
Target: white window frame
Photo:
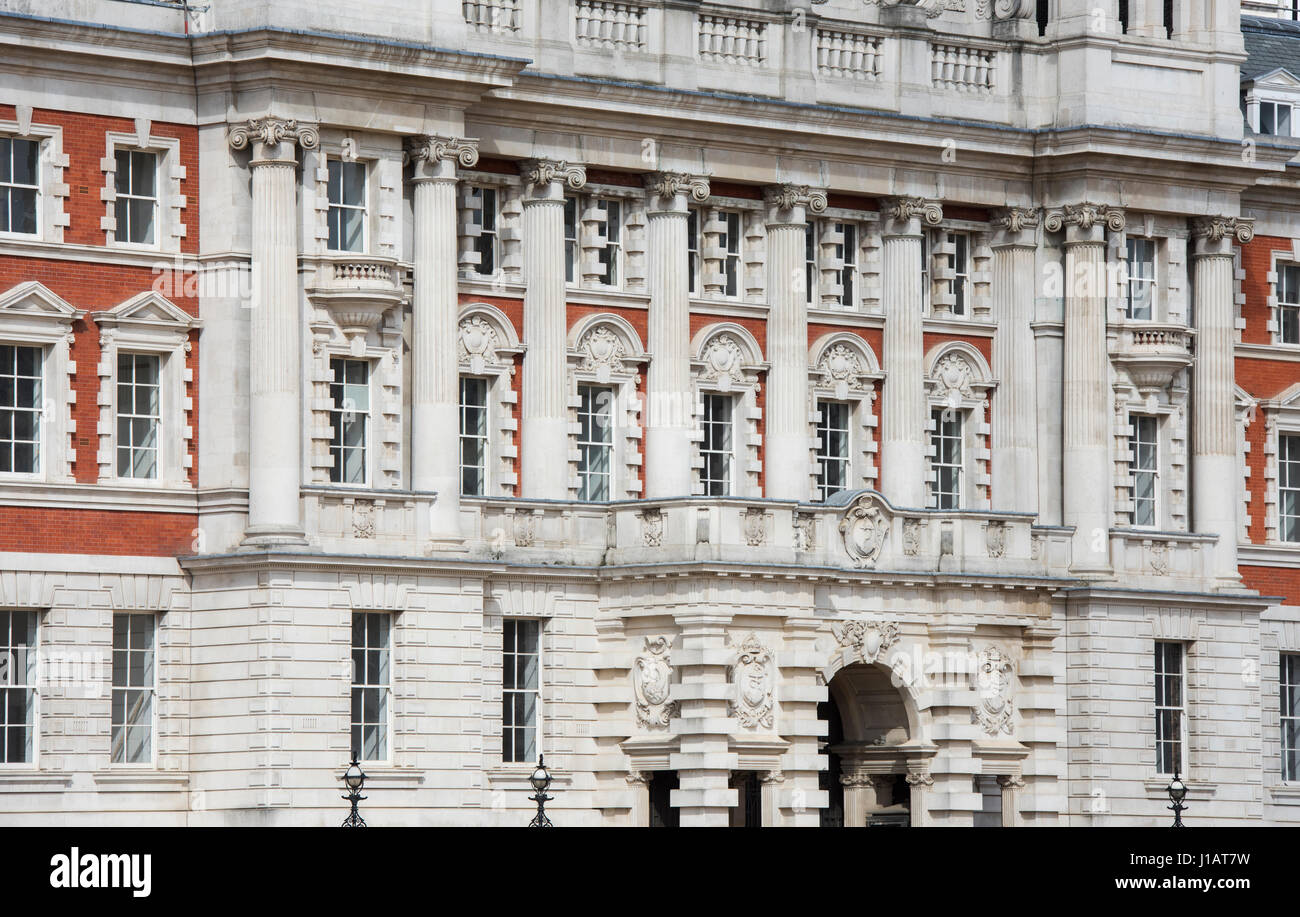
(34, 316)
(849, 252)
(169, 225)
(812, 245)
(1288, 300)
(51, 214)
(1136, 467)
(603, 349)
(368, 447)
(1289, 686)
(507, 656)
(131, 195)
(845, 460)
(1276, 106)
(485, 202)
(1180, 708)
(588, 412)
(485, 438)
(1287, 464)
(572, 239)
(709, 399)
(958, 379)
(152, 689)
(1134, 279)
(956, 274)
(385, 687)
(843, 368)
(160, 447)
(487, 346)
(940, 418)
(364, 207)
(148, 323)
(733, 249)
(694, 250)
(5, 187)
(9, 370)
(612, 249)
(31, 675)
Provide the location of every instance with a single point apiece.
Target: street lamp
(1177, 792)
(354, 778)
(541, 781)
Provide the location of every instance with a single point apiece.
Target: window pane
(26, 162)
(144, 172)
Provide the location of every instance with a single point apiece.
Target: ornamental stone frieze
(753, 679)
(870, 638)
(651, 685)
(994, 712)
(864, 528)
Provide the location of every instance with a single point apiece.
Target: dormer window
(1275, 118)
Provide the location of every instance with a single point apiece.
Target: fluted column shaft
(787, 457)
(545, 422)
(1085, 389)
(1215, 475)
(275, 344)
(435, 374)
(668, 411)
(1015, 405)
(904, 417)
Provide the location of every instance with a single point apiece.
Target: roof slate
(1270, 44)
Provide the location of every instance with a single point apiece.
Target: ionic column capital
(791, 203)
(273, 139)
(436, 157)
(1014, 226)
(668, 191)
(1085, 222)
(545, 179)
(1213, 235)
(904, 215)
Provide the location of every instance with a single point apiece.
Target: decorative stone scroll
(667, 185)
(785, 196)
(865, 527)
(752, 674)
(436, 148)
(995, 711)
(1084, 215)
(869, 638)
(1215, 229)
(906, 208)
(651, 674)
(271, 132)
(545, 171)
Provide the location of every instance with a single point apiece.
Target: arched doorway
(867, 745)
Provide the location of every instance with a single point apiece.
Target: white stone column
(1086, 388)
(670, 401)
(544, 431)
(1015, 406)
(787, 457)
(1215, 475)
(275, 345)
(904, 417)
(435, 375)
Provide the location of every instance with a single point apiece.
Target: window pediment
(34, 302)
(148, 310)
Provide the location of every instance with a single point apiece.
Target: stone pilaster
(704, 761)
(903, 442)
(799, 799)
(275, 343)
(544, 450)
(1214, 442)
(1086, 385)
(670, 401)
(786, 443)
(1015, 407)
(435, 376)
(949, 799)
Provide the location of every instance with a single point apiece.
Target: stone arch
(485, 336)
(980, 371)
(751, 353)
(631, 341)
(848, 657)
(854, 342)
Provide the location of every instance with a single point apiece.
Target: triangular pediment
(1289, 397)
(147, 308)
(35, 299)
(1281, 78)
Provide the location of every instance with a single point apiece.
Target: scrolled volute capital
(1216, 229)
(1015, 219)
(545, 171)
(667, 185)
(272, 131)
(1085, 215)
(906, 208)
(788, 195)
(435, 148)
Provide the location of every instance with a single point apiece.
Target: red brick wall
(1281, 581)
(91, 531)
(1257, 261)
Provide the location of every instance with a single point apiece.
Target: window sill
(518, 774)
(147, 779)
(1285, 794)
(33, 781)
(390, 775)
(113, 495)
(1158, 788)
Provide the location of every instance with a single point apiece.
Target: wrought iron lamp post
(541, 781)
(1177, 793)
(354, 778)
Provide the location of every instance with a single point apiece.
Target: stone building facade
(842, 413)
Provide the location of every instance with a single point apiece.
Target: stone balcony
(355, 289)
(1152, 353)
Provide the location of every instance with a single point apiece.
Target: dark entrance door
(662, 813)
